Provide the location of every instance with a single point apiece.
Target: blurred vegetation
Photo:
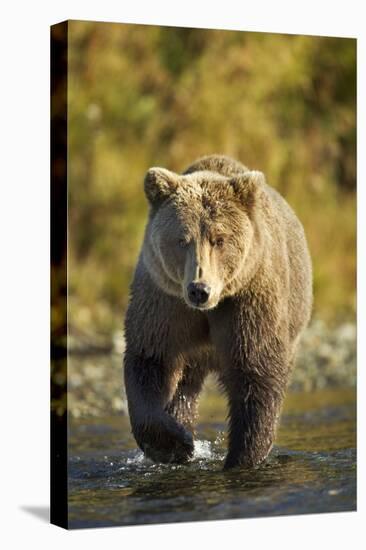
(143, 95)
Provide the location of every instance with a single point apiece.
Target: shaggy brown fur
(223, 283)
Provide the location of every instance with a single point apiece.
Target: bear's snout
(198, 293)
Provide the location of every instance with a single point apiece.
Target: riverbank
(326, 359)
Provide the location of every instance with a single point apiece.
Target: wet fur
(262, 296)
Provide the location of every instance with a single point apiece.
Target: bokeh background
(141, 96)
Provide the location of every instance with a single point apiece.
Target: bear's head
(201, 232)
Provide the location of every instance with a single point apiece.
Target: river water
(312, 468)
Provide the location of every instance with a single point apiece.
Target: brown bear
(223, 283)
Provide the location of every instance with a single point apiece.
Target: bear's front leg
(254, 407)
(183, 406)
(252, 347)
(149, 386)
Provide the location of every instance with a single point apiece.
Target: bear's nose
(198, 293)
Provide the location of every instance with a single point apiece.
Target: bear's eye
(219, 242)
(183, 243)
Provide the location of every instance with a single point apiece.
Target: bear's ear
(247, 186)
(159, 184)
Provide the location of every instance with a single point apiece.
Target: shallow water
(311, 469)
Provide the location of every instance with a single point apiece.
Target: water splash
(203, 450)
(137, 459)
